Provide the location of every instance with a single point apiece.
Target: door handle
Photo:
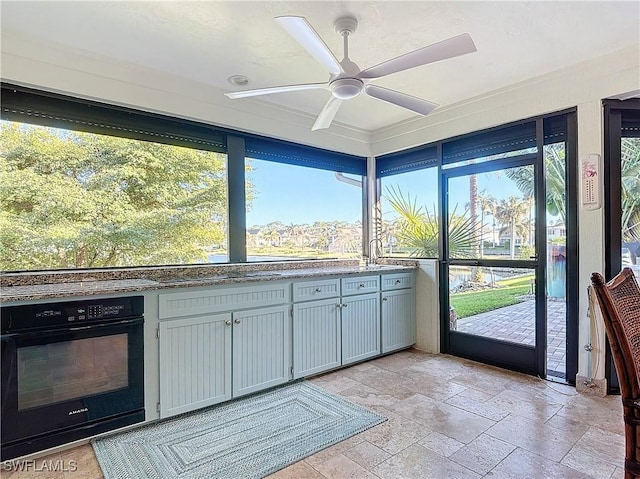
(237, 321)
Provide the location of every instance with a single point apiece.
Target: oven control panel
(37, 316)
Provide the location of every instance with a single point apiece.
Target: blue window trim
(502, 139)
(280, 151)
(28, 105)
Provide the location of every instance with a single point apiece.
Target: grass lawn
(476, 302)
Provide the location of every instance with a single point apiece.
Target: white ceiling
(209, 41)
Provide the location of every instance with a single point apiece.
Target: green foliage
(78, 200)
(630, 189)
(526, 252)
(471, 303)
(554, 157)
(418, 232)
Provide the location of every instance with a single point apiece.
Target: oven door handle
(66, 329)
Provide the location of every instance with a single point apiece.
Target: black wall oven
(70, 370)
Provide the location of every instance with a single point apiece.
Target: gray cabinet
(337, 331)
(360, 326)
(398, 312)
(210, 358)
(261, 349)
(195, 363)
(316, 337)
(220, 343)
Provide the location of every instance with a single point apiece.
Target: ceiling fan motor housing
(346, 88)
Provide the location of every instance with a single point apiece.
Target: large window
(297, 212)
(81, 200)
(85, 184)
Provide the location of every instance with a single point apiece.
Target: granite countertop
(29, 287)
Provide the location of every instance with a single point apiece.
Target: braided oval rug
(249, 437)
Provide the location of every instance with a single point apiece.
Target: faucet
(374, 253)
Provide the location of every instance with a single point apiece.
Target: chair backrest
(620, 305)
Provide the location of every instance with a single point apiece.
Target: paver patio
(516, 323)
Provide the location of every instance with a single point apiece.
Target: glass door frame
(517, 357)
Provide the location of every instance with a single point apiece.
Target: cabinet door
(195, 363)
(398, 320)
(261, 349)
(360, 327)
(316, 337)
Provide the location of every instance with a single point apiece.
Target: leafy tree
(78, 200)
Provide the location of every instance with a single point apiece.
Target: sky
(299, 195)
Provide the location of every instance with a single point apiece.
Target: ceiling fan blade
(452, 47)
(327, 114)
(277, 89)
(300, 29)
(412, 103)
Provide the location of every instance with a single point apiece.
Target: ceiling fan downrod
(344, 86)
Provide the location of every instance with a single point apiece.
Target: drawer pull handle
(318, 290)
(384, 299)
(228, 322)
(398, 281)
(237, 321)
(361, 285)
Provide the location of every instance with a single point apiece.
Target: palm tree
(555, 181)
(512, 213)
(476, 273)
(488, 205)
(418, 228)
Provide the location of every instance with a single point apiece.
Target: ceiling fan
(347, 81)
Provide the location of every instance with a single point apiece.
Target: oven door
(61, 379)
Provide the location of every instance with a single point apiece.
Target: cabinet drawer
(309, 290)
(216, 300)
(397, 281)
(360, 285)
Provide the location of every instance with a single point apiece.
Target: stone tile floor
(450, 418)
(516, 323)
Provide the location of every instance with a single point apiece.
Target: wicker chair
(619, 301)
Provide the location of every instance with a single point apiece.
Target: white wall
(427, 307)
